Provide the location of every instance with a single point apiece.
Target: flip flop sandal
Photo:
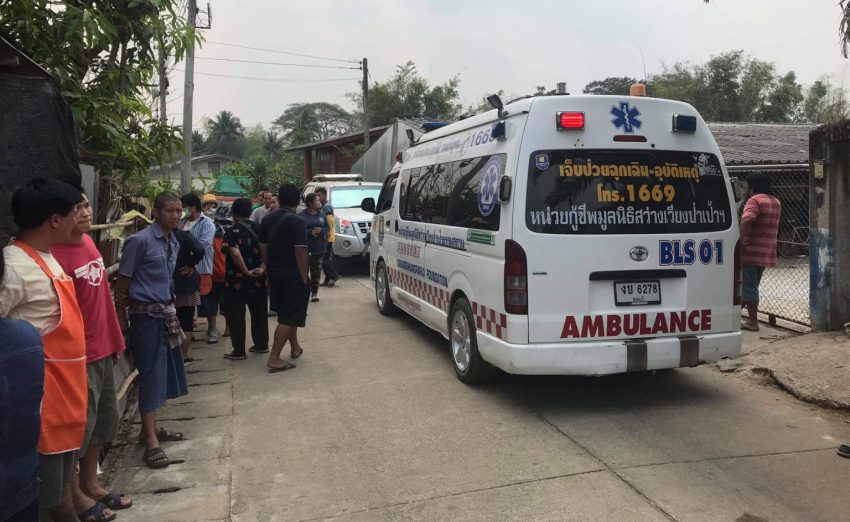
(113, 500)
(844, 450)
(156, 458)
(95, 513)
(286, 366)
(297, 354)
(163, 435)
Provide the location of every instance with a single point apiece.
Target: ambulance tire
(469, 367)
(382, 291)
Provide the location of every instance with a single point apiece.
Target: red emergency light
(570, 120)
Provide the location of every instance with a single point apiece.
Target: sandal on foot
(254, 349)
(844, 450)
(96, 514)
(297, 354)
(163, 435)
(156, 458)
(286, 366)
(233, 356)
(114, 500)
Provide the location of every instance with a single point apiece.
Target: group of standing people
(63, 328)
(61, 338)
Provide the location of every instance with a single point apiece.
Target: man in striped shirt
(759, 225)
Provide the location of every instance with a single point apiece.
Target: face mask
(209, 212)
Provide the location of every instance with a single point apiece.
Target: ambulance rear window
(626, 192)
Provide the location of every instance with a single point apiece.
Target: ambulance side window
(385, 200)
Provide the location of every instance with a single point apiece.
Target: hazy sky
(491, 45)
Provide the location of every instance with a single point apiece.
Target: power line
(284, 80)
(283, 52)
(275, 63)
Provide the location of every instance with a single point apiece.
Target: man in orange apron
(36, 290)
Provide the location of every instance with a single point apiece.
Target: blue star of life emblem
(626, 117)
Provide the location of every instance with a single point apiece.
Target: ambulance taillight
(736, 290)
(516, 279)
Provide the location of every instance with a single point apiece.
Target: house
(334, 155)
(204, 169)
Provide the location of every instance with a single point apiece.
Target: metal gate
(784, 291)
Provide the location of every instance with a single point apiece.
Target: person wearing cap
(203, 228)
(210, 207)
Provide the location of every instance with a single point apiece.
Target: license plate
(636, 293)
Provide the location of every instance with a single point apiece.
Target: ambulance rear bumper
(607, 357)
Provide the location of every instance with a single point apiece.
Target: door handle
(396, 226)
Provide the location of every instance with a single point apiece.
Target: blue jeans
(21, 391)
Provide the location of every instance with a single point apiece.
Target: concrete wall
(829, 221)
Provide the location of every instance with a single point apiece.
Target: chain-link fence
(784, 289)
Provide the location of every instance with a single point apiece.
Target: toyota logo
(639, 253)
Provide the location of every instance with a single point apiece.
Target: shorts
(186, 317)
(162, 375)
(54, 476)
(209, 302)
(102, 418)
(289, 298)
(750, 281)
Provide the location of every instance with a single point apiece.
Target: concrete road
(373, 425)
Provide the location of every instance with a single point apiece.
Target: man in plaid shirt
(759, 225)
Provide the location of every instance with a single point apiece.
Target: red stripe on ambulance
(636, 325)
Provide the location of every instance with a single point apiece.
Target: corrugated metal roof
(762, 143)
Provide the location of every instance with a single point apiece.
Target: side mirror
(505, 187)
(368, 205)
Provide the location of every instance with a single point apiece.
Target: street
(373, 425)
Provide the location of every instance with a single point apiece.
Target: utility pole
(163, 92)
(188, 90)
(365, 66)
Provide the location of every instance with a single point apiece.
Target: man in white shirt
(260, 212)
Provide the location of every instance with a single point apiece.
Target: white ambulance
(582, 235)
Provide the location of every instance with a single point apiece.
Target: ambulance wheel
(382, 291)
(463, 339)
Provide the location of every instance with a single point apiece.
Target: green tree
(306, 122)
(104, 56)
(199, 143)
(733, 87)
(409, 95)
(825, 103)
(224, 134)
(614, 85)
(273, 146)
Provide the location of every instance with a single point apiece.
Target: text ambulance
(564, 235)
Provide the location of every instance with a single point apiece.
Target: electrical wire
(284, 80)
(282, 52)
(275, 63)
